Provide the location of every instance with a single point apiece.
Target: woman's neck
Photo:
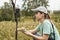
(42, 20)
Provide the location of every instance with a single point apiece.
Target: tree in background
(6, 12)
(29, 4)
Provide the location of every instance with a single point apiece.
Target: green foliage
(57, 12)
(29, 4)
(6, 13)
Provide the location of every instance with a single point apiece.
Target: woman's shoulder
(47, 21)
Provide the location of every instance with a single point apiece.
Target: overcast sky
(54, 4)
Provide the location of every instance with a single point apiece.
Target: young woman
(45, 28)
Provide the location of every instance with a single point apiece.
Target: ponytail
(46, 16)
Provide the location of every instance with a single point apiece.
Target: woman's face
(39, 16)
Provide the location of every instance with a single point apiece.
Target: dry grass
(7, 29)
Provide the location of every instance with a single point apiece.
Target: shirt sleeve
(46, 28)
(38, 27)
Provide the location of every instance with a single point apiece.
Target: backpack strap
(53, 31)
(50, 33)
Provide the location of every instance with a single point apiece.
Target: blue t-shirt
(47, 28)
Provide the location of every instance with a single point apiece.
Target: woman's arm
(30, 33)
(44, 37)
(33, 31)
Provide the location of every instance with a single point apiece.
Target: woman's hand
(28, 33)
(22, 29)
